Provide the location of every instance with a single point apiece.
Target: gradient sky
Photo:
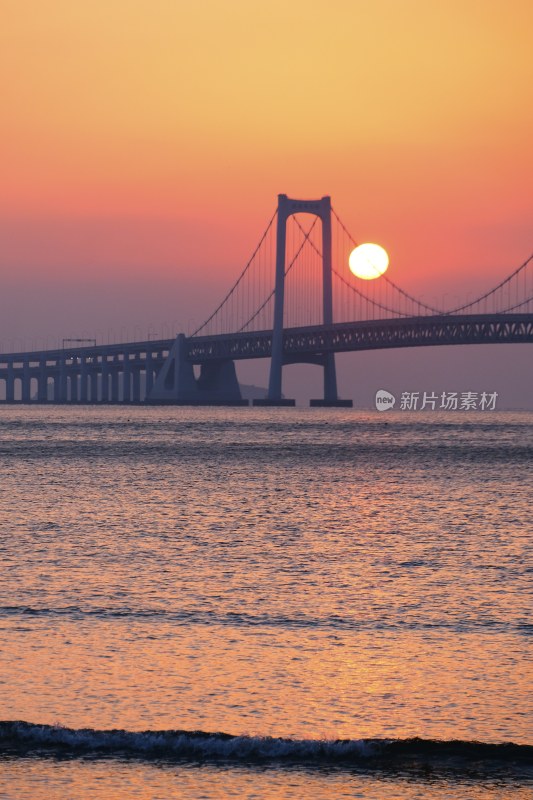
(143, 143)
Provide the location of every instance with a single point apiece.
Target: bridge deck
(304, 343)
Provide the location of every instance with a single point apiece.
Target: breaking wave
(27, 739)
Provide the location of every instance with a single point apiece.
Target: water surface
(297, 573)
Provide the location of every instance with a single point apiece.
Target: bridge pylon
(321, 208)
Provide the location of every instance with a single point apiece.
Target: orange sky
(148, 139)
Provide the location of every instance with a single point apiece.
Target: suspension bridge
(293, 303)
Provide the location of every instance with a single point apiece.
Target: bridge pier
(83, 381)
(176, 384)
(54, 389)
(115, 381)
(136, 389)
(74, 386)
(266, 402)
(149, 374)
(331, 403)
(93, 384)
(330, 399)
(61, 385)
(26, 382)
(42, 382)
(10, 384)
(104, 381)
(126, 378)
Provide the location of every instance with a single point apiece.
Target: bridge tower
(321, 208)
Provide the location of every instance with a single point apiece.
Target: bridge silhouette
(293, 303)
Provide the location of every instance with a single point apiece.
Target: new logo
(384, 400)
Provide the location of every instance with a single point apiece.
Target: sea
(265, 603)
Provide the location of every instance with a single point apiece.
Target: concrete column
(60, 388)
(74, 386)
(126, 379)
(115, 381)
(136, 385)
(42, 382)
(10, 383)
(83, 380)
(104, 381)
(26, 382)
(54, 387)
(149, 374)
(94, 383)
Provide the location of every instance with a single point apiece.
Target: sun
(368, 261)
